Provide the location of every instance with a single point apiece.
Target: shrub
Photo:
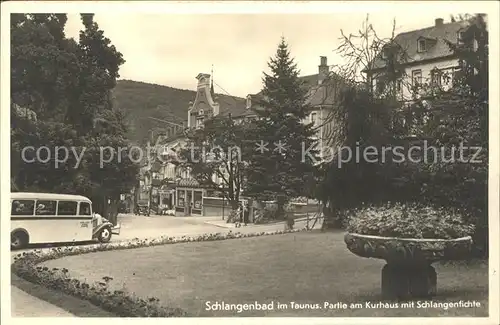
(267, 214)
(409, 220)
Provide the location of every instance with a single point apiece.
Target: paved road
(25, 305)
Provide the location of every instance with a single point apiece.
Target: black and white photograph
(274, 161)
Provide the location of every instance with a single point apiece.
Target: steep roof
(437, 47)
(231, 104)
(323, 94)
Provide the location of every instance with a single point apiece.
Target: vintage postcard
(299, 162)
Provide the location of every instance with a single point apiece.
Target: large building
(426, 58)
(170, 186)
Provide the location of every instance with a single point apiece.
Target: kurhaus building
(176, 188)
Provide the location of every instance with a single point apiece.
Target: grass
(311, 267)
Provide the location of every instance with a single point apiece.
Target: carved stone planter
(408, 272)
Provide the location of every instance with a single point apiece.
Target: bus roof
(46, 196)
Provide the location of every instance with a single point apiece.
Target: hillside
(140, 101)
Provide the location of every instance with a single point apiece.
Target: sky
(171, 49)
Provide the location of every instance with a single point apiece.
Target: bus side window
(23, 207)
(45, 208)
(67, 208)
(84, 209)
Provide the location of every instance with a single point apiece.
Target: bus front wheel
(18, 240)
(104, 235)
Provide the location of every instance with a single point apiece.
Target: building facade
(426, 60)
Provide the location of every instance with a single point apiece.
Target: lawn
(306, 268)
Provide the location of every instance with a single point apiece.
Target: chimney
(323, 70)
(439, 22)
(249, 102)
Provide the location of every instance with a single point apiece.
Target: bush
(409, 221)
(267, 214)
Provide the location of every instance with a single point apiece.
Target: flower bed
(409, 220)
(119, 302)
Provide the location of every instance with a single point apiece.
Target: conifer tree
(280, 170)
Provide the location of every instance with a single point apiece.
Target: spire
(212, 82)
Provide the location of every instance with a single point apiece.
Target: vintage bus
(42, 218)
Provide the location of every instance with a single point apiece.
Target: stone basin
(408, 272)
(408, 250)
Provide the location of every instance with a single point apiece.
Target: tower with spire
(204, 105)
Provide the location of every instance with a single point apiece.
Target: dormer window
(200, 112)
(313, 118)
(422, 45)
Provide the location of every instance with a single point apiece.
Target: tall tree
(61, 95)
(461, 119)
(105, 124)
(44, 64)
(99, 66)
(281, 170)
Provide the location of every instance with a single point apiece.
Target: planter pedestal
(408, 281)
(408, 272)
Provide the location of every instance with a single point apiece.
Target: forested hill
(140, 101)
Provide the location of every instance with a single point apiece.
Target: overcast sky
(172, 49)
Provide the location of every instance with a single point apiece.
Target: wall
(426, 68)
(446, 65)
(212, 207)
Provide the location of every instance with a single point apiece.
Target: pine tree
(281, 173)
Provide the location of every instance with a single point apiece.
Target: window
(399, 85)
(416, 77)
(180, 198)
(422, 45)
(313, 118)
(197, 199)
(67, 208)
(460, 37)
(23, 207)
(199, 122)
(45, 208)
(436, 78)
(85, 209)
(384, 53)
(380, 86)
